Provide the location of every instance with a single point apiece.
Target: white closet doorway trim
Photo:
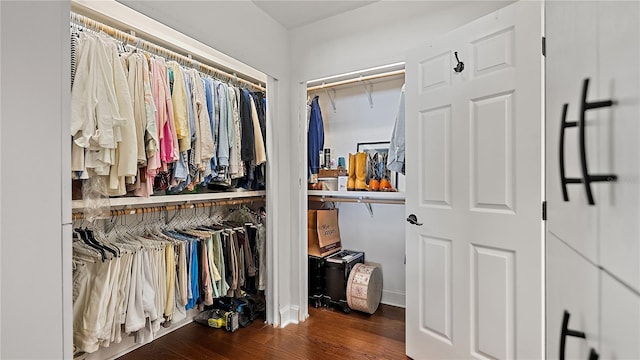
(366, 77)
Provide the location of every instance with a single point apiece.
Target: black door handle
(413, 219)
(587, 179)
(563, 125)
(584, 106)
(568, 332)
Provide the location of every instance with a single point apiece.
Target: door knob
(412, 219)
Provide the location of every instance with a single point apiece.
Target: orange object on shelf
(374, 185)
(385, 185)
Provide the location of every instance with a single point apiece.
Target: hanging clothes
(135, 69)
(93, 109)
(395, 160)
(150, 127)
(164, 114)
(315, 136)
(74, 54)
(210, 95)
(236, 170)
(180, 106)
(205, 149)
(259, 150)
(248, 139)
(150, 281)
(260, 101)
(224, 140)
(146, 174)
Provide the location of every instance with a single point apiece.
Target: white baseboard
(393, 298)
(289, 315)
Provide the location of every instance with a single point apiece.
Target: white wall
(381, 237)
(354, 120)
(35, 86)
(377, 34)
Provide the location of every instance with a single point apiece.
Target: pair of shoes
(357, 172)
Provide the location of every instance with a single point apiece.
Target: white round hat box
(364, 288)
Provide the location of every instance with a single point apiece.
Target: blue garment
(188, 250)
(194, 293)
(315, 136)
(170, 76)
(192, 116)
(210, 94)
(180, 170)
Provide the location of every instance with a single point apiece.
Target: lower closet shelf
(173, 199)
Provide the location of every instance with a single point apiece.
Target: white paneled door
(474, 182)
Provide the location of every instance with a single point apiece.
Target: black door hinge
(544, 46)
(544, 210)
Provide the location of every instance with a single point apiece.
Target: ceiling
(292, 14)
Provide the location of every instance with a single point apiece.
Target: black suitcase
(337, 269)
(317, 283)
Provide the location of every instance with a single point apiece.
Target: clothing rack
(146, 210)
(356, 80)
(355, 200)
(145, 45)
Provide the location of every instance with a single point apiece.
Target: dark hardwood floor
(327, 334)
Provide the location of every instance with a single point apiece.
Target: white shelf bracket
(367, 205)
(368, 88)
(332, 98)
(369, 208)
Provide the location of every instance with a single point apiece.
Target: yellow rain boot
(361, 171)
(351, 181)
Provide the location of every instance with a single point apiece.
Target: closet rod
(355, 80)
(151, 47)
(145, 210)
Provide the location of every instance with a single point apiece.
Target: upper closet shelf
(360, 79)
(358, 196)
(173, 199)
(366, 78)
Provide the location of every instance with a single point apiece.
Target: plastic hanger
(85, 239)
(92, 239)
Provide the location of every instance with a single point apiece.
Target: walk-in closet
(159, 159)
(359, 112)
(169, 158)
